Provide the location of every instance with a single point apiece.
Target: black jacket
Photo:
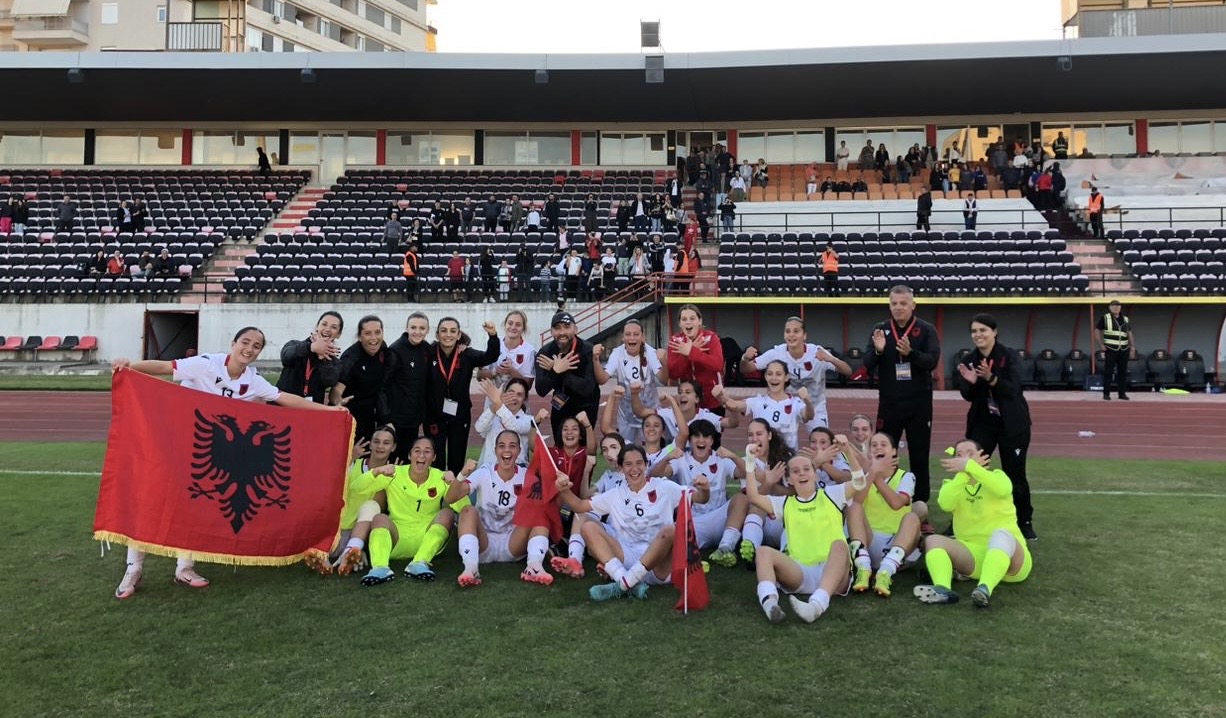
(1014, 412)
(579, 385)
(923, 203)
(407, 388)
(553, 210)
(491, 210)
(456, 388)
(296, 361)
(925, 353)
(365, 378)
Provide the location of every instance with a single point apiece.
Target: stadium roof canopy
(1099, 75)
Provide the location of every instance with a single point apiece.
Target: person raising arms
(806, 365)
(783, 411)
(360, 508)
(696, 353)
(770, 456)
(611, 445)
(633, 362)
(504, 410)
(890, 527)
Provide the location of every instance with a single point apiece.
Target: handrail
(640, 289)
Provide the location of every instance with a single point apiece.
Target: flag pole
(685, 587)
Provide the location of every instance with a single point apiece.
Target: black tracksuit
(450, 376)
(304, 374)
(406, 392)
(905, 405)
(578, 386)
(1000, 417)
(365, 378)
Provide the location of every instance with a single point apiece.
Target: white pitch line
(50, 473)
(1091, 492)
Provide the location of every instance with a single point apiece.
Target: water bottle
(1086, 434)
(1208, 388)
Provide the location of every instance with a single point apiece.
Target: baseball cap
(562, 318)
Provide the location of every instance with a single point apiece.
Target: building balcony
(51, 32)
(195, 36)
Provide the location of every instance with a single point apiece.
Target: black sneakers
(1027, 530)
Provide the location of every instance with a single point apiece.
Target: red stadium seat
(88, 343)
(11, 344)
(49, 344)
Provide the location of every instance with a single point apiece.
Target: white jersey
(490, 425)
(672, 426)
(637, 516)
(783, 416)
(718, 470)
(625, 369)
(807, 371)
(495, 499)
(655, 457)
(608, 481)
(521, 359)
(840, 463)
(209, 373)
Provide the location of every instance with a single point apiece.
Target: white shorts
(812, 578)
(709, 527)
(772, 533)
(631, 553)
(818, 419)
(498, 549)
(880, 546)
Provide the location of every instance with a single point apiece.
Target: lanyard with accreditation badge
(450, 406)
(902, 370)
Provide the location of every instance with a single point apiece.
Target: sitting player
(816, 563)
(781, 410)
(770, 456)
(572, 565)
(640, 528)
(360, 509)
(416, 523)
(716, 467)
(827, 458)
(893, 528)
(486, 531)
(989, 546)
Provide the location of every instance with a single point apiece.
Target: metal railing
(40, 24)
(194, 36)
(879, 220)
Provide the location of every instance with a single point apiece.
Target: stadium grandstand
(154, 211)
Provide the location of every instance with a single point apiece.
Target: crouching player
(360, 508)
(417, 521)
(893, 528)
(816, 563)
(717, 467)
(989, 546)
(486, 531)
(635, 545)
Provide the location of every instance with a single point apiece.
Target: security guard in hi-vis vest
(1114, 335)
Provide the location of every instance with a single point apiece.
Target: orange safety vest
(409, 267)
(830, 262)
(1095, 204)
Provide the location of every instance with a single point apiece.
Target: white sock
(633, 575)
(614, 569)
(892, 560)
(821, 599)
(728, 541)
(357, 543)
(537, 546)
(136, 558)
(470, 550)
(862, 559)
(753, 530)
(184, 563)
(768, 595)
(577, 546)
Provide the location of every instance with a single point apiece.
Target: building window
(138, 147)
(410, 4)
(393, 24)
(1098, 138)
(782, 146)
(50, 147)
(110, 13)
(161, 13)
(588, 144)
(429, 148)
(375, 15)
(227, 147)
(527, 148)
(631, 148)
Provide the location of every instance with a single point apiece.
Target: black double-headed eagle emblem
(244, 471)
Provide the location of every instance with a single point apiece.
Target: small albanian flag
(537, 506)
(688, 576)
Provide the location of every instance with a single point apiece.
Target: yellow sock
(940, 567)
(995, 566)
(431, 543)
(380, 544)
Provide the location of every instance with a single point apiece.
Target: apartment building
(1132, 18)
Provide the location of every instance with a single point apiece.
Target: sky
(570, 26)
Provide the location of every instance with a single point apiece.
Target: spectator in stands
(902, 171)
(830, 270)
(640, 209)
(472, 272)
(746, 172)
(810, 180)
(162, 264)
(1085, 154)
(881, 158)
(452, 219)
(938, 177)
(489, 275)
(623, 216)
(545, 280)
(532, 222)
(516, 214)
(524, 262)
(572, 268)
(504, 281)
(265, 167)
(97, 265)
(1037, 154)
(828, 187)
(590, 209)
(979, 179)
(928, 156)
(998, 156)
(655, 253)
(970, 210)
(410, 267)
(640, 266)
(1043, 193)
(727, 214)
(867, 156)
(693, 163)
(761, 174)
(311, 366)
(1094, 211)
(913, 159)
(455, 276)
(115, 265)
(6, 216)
(1058, 185)
(736, 188)
(841, 156)
(723, 164)
(489, 214)
(923, 209)
(1059, 148)
(21, 215)
(953, 178)
(859, 185)
(144, 265)
(668, 217)
(672, 188)
(438, 223)
(393, 232)
(702, 214)
(953, 154)
(140, 215)
(123, 217)
(275, 159)
(656, 214)
(468, 214)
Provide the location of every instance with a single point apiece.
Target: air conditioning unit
(276, 19)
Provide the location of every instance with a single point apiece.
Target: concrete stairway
(1103, 266)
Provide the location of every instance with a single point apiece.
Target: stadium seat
(49, 344)
(1076, 368)
(31, 343)
(1026, 368)
(1048, 369)
(1161, 368)
(1190, 369)
(11, 344)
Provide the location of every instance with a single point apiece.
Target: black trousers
(1096, 224)
(450, 441)
(405, 436)
(1013, 450)
(410, 288)
(914, 418)
(1115, 371)
(921, 222)
(830, 283)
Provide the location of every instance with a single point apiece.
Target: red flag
(537, 507)
(688, 576)
(226, 480)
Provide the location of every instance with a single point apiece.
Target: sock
(184, 563)
(357, 543)
(995, 566)
(862, 559)
(768, 595)
(470, 549)
(614, 569)
(892, 560)
(431, 543)
(729, 540)
(136, 558)
(633, 575)
(380, 547)
(576, 547)
(820, 599)
(940, 567)
(854, 546)
(537, 546)
(753, 530)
